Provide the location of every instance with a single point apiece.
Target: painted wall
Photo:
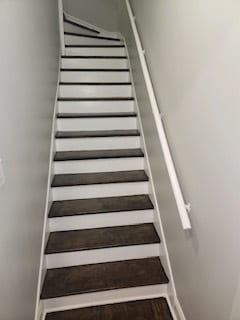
(102, 13)
(29, 63)
(192, 51)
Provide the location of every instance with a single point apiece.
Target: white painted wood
(97, 143)
(95, 106)
(177, 310)
(91, 91)
(99, 190)
(72, 28)
(98, 165)
(95, 52)
(94, 63)
(105, 297)
(101, 220)
(97, 124)
(61, 27)
(69, 259)
(95, 76)
(72, 40)
(182, 207)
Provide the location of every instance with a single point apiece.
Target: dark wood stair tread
(102, 277)
(100, 205)
(95, 57)
(98, 154)
(95, 46)
(96, 99)
(97, 115)
(151, 309)
(95, 83)
(110, 237)
(94, 70)
(97, 134)
(65, 180)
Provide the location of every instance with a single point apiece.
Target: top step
(113, 51)
(70, 26)
(81, 26)
(72, 38)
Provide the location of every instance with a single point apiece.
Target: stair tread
(110, 237)
(81, 26)
(95, 83)
(65, 180)
(100, 205)
(93, 70)
(102, 277)
(97, 154)
(95, 46)
(94, 57)
(97, 115)
(151, 309)
(91, 36)
(97, 133)
(96, 99)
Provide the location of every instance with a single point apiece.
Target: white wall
(102, 13)
(193, 50)
(29, 62)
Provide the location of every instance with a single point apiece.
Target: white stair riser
(97, 124)
(99, 191)
(68, 259)
(85, 91)
(95, 76)
(97, 143)
(92, 63)
(100, 220)
(119, 52)
(99, 165)
(105, 297)
(71, 40)
(95, 106)
(72, 28)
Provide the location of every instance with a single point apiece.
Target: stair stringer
(102, 32)
(171, 294)
(39, 308)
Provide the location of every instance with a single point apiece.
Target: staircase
(103, 251)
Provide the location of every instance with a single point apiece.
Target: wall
(102, 13)
(29, 63)
(192, 51)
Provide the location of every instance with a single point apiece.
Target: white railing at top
(61, 26)
(183, 208)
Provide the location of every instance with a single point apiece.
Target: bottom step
(153, 309)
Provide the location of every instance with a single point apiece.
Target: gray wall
(102, 13)
(192, 51)
(29, 63)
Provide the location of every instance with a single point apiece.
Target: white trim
(61, 26)
(179, 310)
(38, 307)
(105, 297)
(103, 255)
(182, 207)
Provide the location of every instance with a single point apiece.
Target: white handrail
(61, 26)
(182, 207)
